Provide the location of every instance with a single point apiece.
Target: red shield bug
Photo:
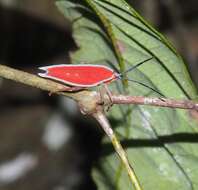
(82, 76)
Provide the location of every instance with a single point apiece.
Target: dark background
(45, 143)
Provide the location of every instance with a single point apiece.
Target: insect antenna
(135, 66)
(122, 75)
(131, 80)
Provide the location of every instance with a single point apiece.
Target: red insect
(85, 75)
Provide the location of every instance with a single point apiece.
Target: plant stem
(101, 118)
(160, 102)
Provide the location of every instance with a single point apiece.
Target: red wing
(79, 75)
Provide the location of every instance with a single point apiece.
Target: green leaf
(160, 142)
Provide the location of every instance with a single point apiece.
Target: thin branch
(30, 79)
(104, 123)
(160, 102)
(86, 99)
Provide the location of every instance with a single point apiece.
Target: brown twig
(89, 99)
(104, 123)
(86, 99)
(160, 102)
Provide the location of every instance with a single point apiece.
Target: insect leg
(104, 90)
